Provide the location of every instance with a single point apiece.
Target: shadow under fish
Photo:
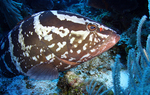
(53, 41)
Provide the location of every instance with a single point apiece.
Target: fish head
(94, 40)
(103, 38)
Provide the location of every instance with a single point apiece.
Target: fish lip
(115, 39)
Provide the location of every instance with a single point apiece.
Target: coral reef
(23, 86)
(73, 79)
(138, 65)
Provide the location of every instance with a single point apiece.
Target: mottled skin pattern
(52, 41)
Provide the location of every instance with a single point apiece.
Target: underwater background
(122, 70)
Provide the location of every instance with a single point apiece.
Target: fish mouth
(112, 40)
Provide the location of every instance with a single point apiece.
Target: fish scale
(52, 41)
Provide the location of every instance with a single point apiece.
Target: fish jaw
(109, 43)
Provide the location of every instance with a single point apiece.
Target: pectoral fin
(43, 71)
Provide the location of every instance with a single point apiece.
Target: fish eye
(91, 27)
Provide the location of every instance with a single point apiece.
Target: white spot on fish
(84, 47)
(67, 67)
(93, 50)
(41, 62)
(99, 40)
(84, 57)
(80, 41)
(72, 40)
(48, 37)
(78, 51)
(75, 45)
(41, 50)
(38, 56)
(71, 51)
(28, 47)
(52, 60)
(60, 63)
(60, 46)
(26, 54)
(52, 45)
(95, 40)
(31, 33)
(91, 37)
(50, 56)
(102, 35)
(71, 59)
(64, 55)
(27, 50)
(34, 58)
(27, 35)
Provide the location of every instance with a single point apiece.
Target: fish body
(52, 41)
